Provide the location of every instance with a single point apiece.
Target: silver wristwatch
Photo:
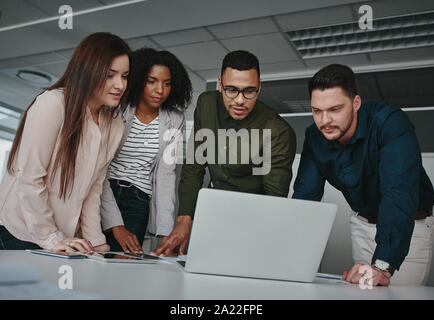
(383, 266)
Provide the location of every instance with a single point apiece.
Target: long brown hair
(86, 73)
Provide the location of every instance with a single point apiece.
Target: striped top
(133, 162)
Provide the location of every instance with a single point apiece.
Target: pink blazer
(30, 207)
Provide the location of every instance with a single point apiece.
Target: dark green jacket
(210, 113)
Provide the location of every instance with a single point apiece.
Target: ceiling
(201, 32)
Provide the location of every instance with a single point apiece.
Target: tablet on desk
(120, 257)
(142, 255)
(60, 254)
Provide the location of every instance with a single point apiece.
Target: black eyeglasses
(232, 92)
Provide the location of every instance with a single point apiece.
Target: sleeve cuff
(98, 241)
(385, 254)
(185, 212)
(114, 221)
(164, 232)
(52, 240)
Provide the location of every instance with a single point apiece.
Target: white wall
(338, 254)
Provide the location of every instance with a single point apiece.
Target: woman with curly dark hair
(140, 184)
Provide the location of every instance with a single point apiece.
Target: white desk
(169, 281)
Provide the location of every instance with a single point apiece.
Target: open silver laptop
(248, 235)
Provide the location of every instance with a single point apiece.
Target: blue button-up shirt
(379, 172)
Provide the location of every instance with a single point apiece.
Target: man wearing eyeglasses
(234, 106)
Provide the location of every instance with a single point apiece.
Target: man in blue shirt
(370, 153)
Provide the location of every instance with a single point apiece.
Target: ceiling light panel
(400, 32)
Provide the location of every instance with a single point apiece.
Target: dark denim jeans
(9, 242)
(134, 206)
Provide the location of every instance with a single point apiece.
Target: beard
(342, 130)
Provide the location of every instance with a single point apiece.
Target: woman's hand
(102, 248)
(74, 244)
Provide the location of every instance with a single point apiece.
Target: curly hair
(142, 60)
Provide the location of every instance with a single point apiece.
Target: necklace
(145, 118)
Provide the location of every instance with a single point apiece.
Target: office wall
(428, 163)
(424, 128)
(199, 86)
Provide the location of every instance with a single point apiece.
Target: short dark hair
(142, 60)
(240, 60)
(334, 75)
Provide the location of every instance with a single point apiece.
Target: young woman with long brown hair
(50, 195)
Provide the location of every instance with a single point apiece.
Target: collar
(130, 111)
(362, 126)
(89, 117)
(88, 114)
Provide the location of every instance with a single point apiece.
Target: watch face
(381, 264)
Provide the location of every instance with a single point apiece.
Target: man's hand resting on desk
(178, 236)
(379, 278)
(127, 240)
